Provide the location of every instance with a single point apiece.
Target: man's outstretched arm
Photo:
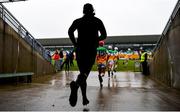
(102, 32)
(71, 34)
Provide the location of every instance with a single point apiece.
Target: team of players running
(106, 59)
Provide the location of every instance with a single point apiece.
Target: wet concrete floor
(126, 91)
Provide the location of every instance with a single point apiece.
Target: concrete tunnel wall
(18, 56)
(165, 65)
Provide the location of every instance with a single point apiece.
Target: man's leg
(85, 70)
(85, 63)
(99, 76)
(143, 68)
(74, 85)
(73, 96)
(81, 81)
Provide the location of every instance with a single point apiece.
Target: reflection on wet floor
(120, 79)
(123, 91)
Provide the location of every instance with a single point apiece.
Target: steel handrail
(21, 30)
(167, 27)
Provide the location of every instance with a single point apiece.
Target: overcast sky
(52, 18)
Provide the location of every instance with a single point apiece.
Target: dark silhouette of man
(88, 27)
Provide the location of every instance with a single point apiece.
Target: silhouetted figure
(144, 63)
(66, 62)
(88, 28)
(71, 58)
(61, 57)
